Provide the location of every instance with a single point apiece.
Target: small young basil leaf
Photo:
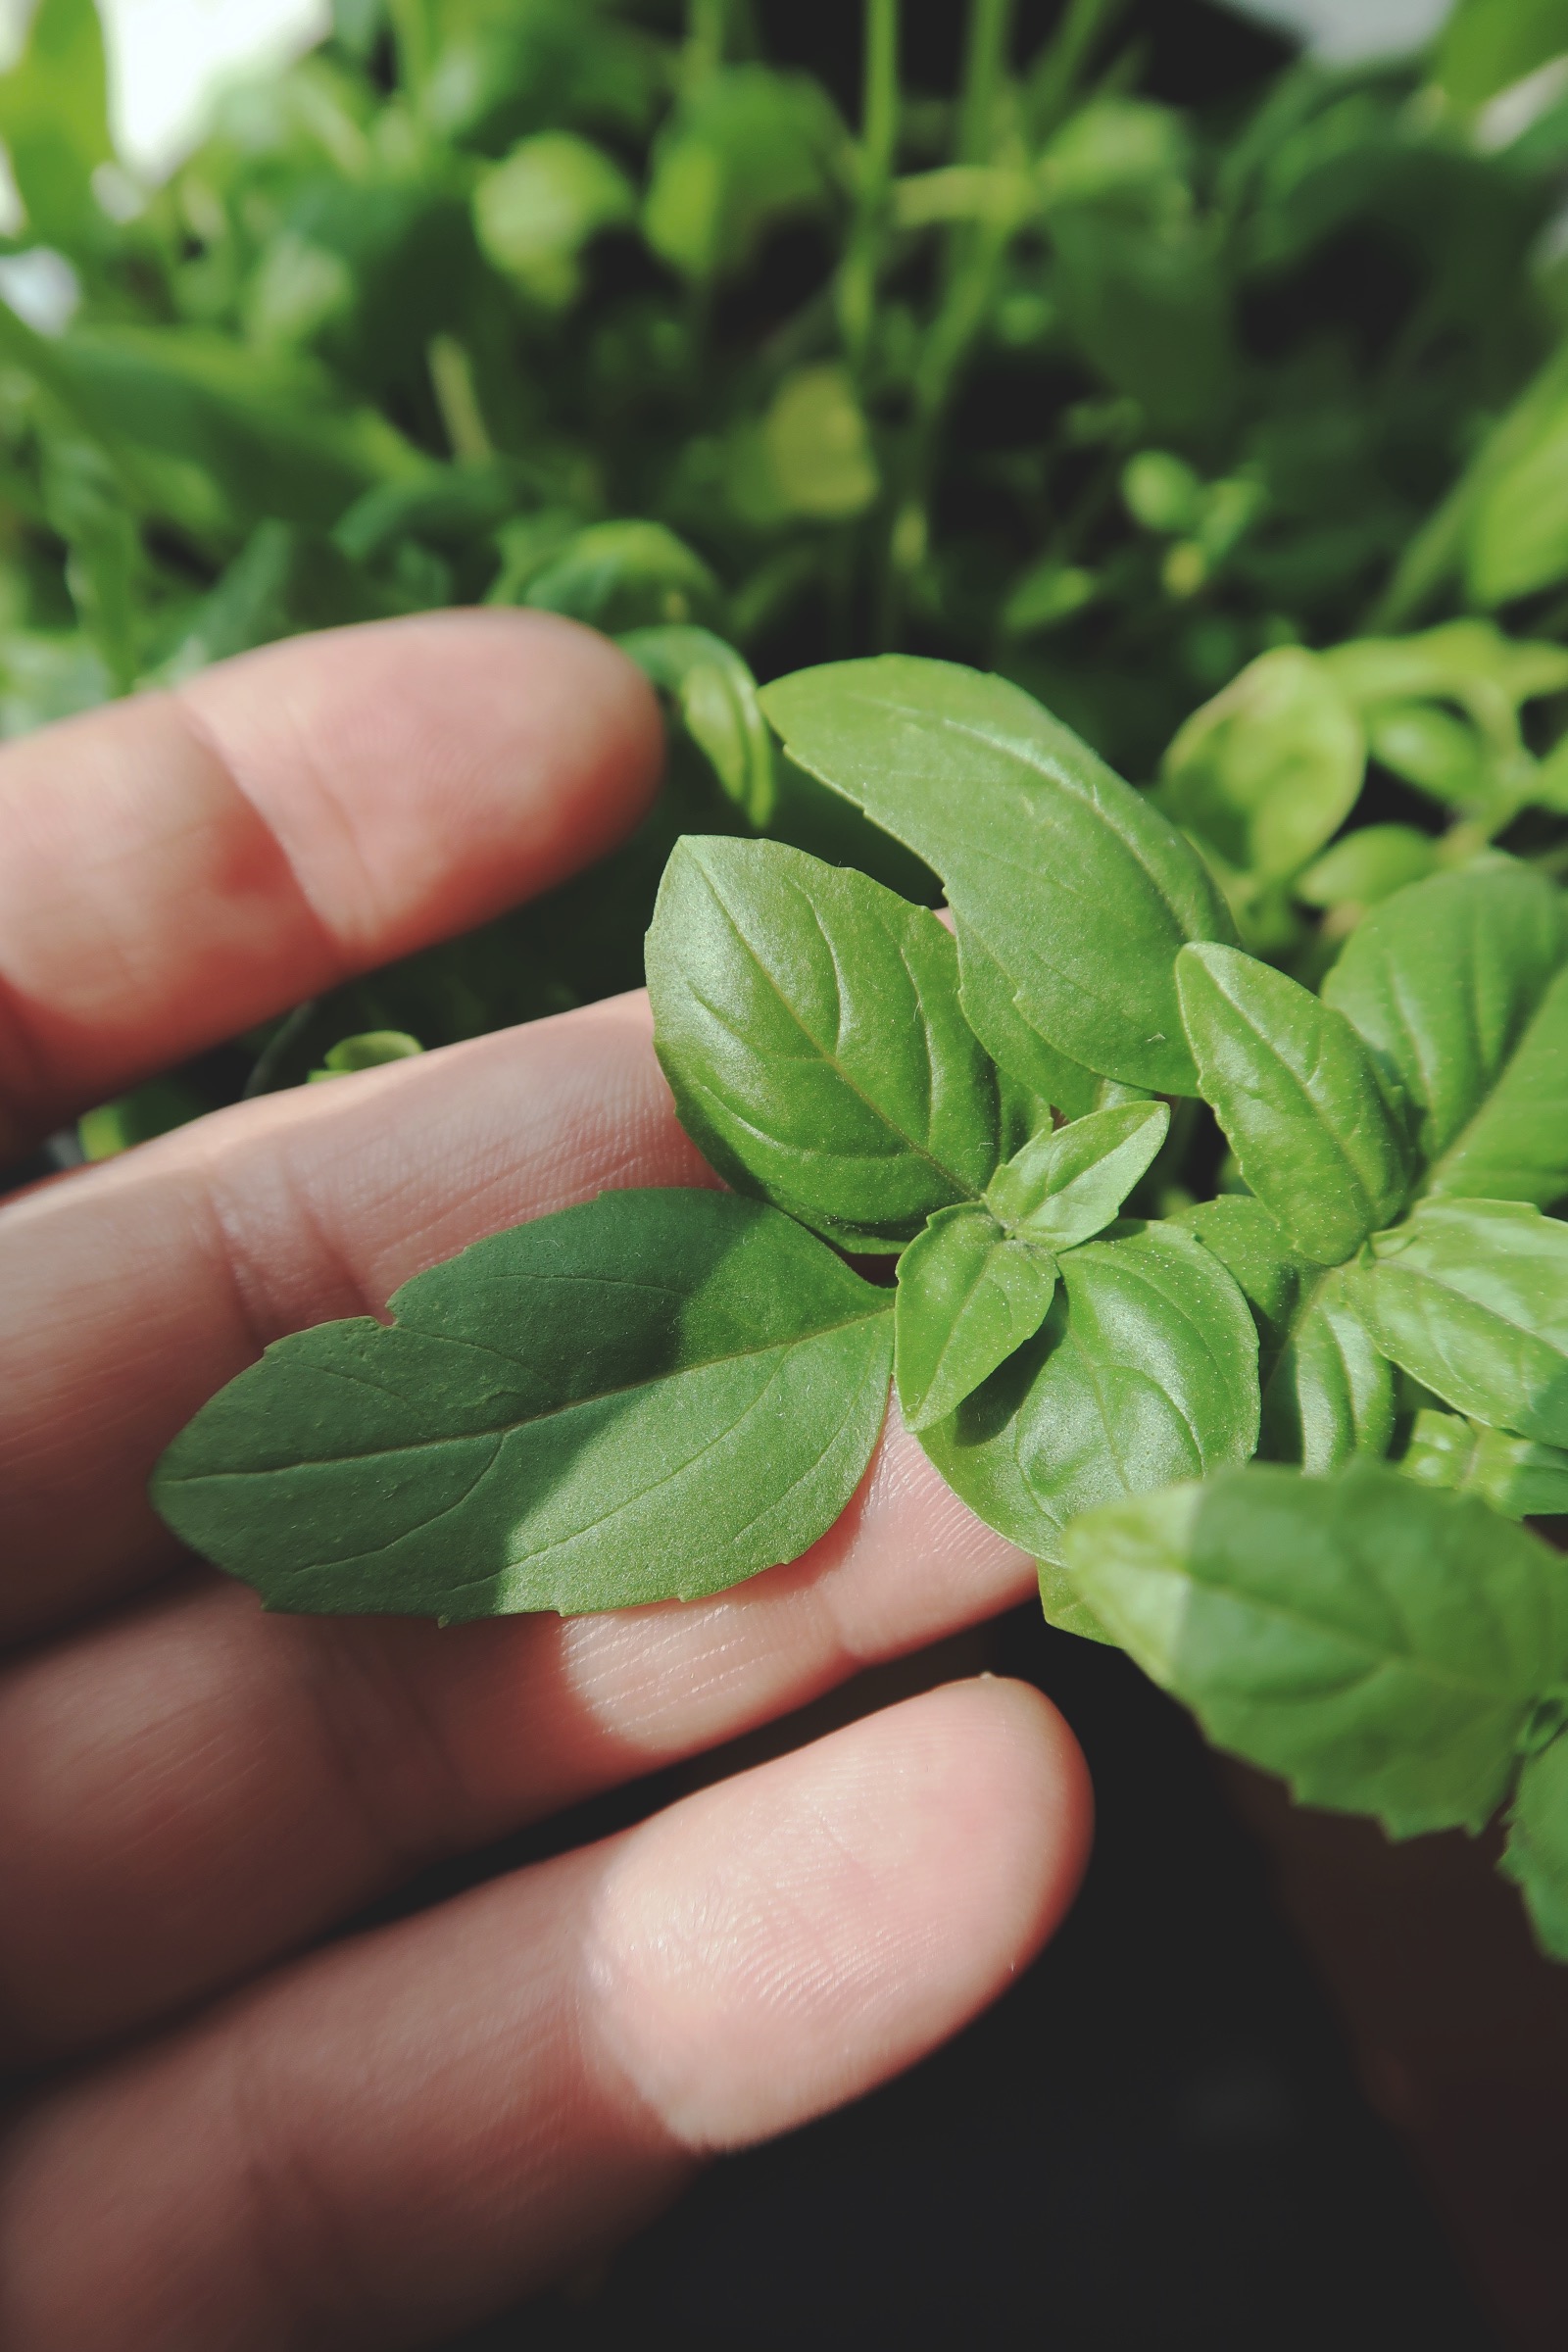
(1367, 866)
(809, 1023)
(368, 1049)
(1074, 883)
(621, 576)
(1471, 1298)
(536, 210)
(1517, 1477)
(1145, 1371)
(1329, 1393)
(1063, 1187)
(1381, 1646)
(1268, 771)
(1299, 1097)
(716, 696)
(661, 1392)
(1442, 981)
(1536, 1857)
(1274, 1278)
(968, 1296)
(1019, 1052)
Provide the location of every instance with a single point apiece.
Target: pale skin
(230, 2135)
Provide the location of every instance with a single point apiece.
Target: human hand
(232, 2134)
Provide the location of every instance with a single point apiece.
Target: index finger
(180, 865)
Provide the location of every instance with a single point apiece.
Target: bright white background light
(168, 57)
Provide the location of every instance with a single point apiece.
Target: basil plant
(1237, 1304)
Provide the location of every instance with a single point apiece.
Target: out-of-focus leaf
(715, 694)
(285, 580)
(54, 119)
(1537, 1854)
(1487, 44)
(1367, 866)
(745, 150)
(625, 575)
(538, 210)
(817, 448)
(1271, 767)
(1516, 1475)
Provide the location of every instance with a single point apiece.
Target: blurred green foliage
(1105, 344)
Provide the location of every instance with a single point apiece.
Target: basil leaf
(1536, 1857)
(968, 1294)
(1274, 1280)
(808, 1021)
(1062, 1606)
(1442, 981)
(1329, 1394)
(1471, 1298)
(1074, 883)
(1046, 1074)
(661, 1392)
(716, 696)
(1063, 1187)
(1516, 1146)
(1145, 1371)
(1268, 771)
(1379, 1645)
(1515, 1475)
(1299, 1097)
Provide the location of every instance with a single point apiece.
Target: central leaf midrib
(508, 1428)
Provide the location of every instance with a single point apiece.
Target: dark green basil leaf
(1381, 1646)
(1443, 980)
(1299, 1097)
(1329, 1393)
(809, 1023)
(661, 1392)
(1063, 1187)
(1471, 1298)
(968, 1294)
(1074, 883)
(1535, 1857)
(1274, 1278)
(1145, 1371)
(1515, 1475)
(1047, 1075)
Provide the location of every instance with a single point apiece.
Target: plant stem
(1054, 76)
(879, 127)
(707, 25)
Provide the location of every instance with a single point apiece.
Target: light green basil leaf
(1045, 1073)
(1467, 661)
(1268, 771)
(1471, 1298)
(1145, 1371)
(744, 149)
(1443, 981)
(1074, 883)
(1445, 756)
(1329, 1393)
(1367, 866)
(625, 575)
(661, 1392)
(968, 1296)
(1535, 1857)
(536, 210)
(1515, 1475)
(368, 1049)
(1299, 1098)
(809, 1023)
(1063, 1187)
(54, 118)
(1063, 1606)
(716, 695)
(1381, 1646)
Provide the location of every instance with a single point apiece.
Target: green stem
(879, 127)
(984, 66)
(1057, 70)
(706, 28)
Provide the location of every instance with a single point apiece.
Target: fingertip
(432, 770)
(782, 1944)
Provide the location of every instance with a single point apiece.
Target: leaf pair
(978, 1282)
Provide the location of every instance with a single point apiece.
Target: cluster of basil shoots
(662, 1392)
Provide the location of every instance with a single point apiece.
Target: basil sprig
(663, 1393)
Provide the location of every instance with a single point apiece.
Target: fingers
(180, 865)
(199, 1788)
(135, 1290)
(409, 2129)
